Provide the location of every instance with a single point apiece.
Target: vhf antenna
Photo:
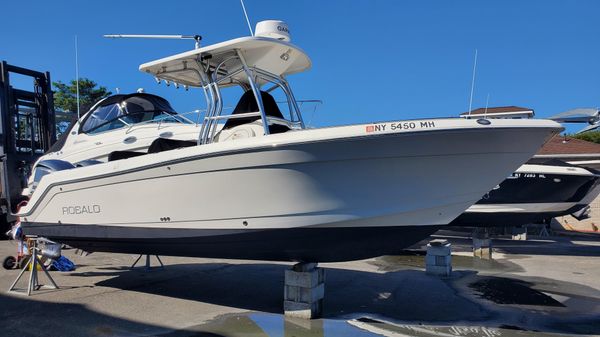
(77, 76)
(196, 38)
(473, 82)
(247, 20)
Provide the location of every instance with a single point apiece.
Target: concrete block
(307, 279)
(484, 253)
(438, 270)
(303, 310)
(437, 260)
(304, 290)
(305, 295)
(482, 248)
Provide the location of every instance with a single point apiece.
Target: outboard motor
(44, 168)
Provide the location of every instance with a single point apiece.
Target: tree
(590, 136)
(65, 95)
(65, 100)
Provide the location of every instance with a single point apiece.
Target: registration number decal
(396, 126)
(528, 175)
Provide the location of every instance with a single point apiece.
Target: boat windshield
(128, 110)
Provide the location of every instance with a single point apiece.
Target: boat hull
(296, 244)
(383, 191)
(533, 194)
(514, 214)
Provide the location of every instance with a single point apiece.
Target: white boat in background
(122, 122)
(262, 186)
(136, 122)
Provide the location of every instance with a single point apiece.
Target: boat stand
(33, 264)
(544, 231)
(482, 243)
(304, 290)
(147, 261)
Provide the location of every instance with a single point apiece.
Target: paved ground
(531, 288)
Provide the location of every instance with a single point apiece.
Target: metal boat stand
(33, 264)
(147, 261)
(544, 231)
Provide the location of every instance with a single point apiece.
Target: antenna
(77, 76)
(487, 101)
(473, 82)
(196, 38)
(247, 20)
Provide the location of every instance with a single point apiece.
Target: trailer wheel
(9, 262)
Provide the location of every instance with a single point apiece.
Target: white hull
(339, 177)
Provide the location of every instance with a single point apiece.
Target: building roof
(564, 145)
(498, 110)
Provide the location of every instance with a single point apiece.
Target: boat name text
(400, 126)
(83, 209)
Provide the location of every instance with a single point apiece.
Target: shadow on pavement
(25, 317)
(404, 295)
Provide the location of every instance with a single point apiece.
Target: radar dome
(274, 29)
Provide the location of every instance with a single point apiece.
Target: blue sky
(372, 60)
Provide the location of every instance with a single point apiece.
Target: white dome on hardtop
(275, 29)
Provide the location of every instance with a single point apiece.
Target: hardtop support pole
(256, 91)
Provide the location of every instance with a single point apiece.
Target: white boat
(135, 122)
(260, 185)
(122, 122)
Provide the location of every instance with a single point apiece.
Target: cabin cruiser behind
(132, 122)
(122, 122)
(260, 185)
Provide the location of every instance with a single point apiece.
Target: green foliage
(65, 95)
(592, 136)
(65, 100)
